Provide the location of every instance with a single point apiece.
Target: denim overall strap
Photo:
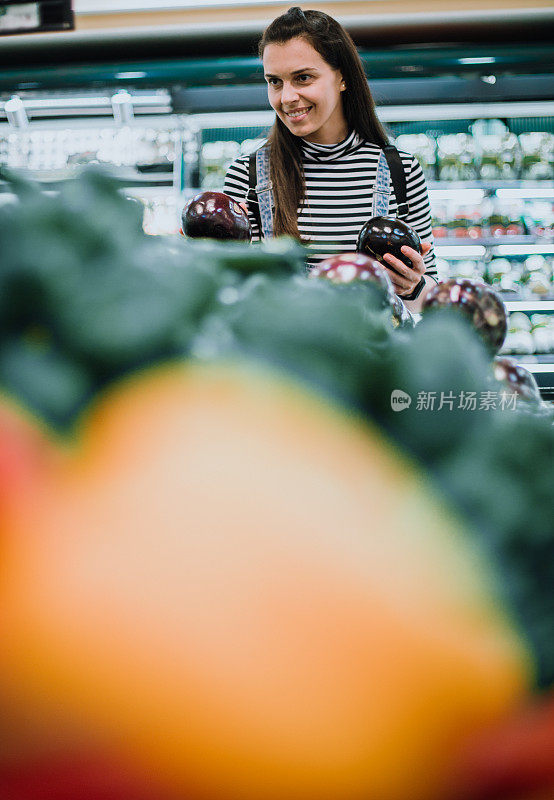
(264, 192)
(381, 191)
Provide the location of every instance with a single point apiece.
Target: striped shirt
(339, 196)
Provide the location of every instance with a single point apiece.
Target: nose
(288, 94)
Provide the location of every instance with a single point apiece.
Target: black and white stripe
(339, 195)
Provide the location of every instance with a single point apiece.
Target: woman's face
(305, 91)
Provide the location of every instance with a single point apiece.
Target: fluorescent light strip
(128, 76)
(536, 368)
(462, 251)
(228, 119)
(478, 60)
(469, 195)
(435, 113)
(94, 101)
(529, 305)
(524, 249)
(534, 193)
(118, 6)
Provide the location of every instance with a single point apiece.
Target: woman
(324, 148)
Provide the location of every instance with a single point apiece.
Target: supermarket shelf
(477, 248)
(92, 103)
(475, 191)
(536, 369)
(543, 373)
(124, 176)
(537, 360)
(491, 185)
(433, 113)
(489, 241)
(229, 119)
(137, 178)
(529, 305)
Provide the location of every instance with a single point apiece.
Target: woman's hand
(405, 279)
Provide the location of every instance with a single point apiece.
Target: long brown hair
(336, 47)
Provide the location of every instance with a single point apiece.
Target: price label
(19, 17)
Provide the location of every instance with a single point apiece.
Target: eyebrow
(295, 72)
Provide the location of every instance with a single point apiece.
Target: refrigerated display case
(493, 226)
(169, 109)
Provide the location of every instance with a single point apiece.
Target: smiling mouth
(299, 113)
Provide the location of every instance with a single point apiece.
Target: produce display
(215, 215)
(487, 151)
(491, 217)
(478, 302)
(478, 220)
(516, 378)
(423, 147)
(457, 157)
(521, 278)
(49, 148)
(529, 334)
(380, 235)
(537, 162)
(514, 760)
(353, 268)
(356, 269)
(215, 158)
(530, 276)
(256, 541)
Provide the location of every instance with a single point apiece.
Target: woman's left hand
(405, 279)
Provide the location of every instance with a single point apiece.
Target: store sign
(19, 17)
(41, 16)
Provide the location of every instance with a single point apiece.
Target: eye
(303, 78)
(273, 81)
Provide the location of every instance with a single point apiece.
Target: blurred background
(168, 93)
(97, 631)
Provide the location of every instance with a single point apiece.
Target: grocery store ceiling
(471, 56)
(115, 6)
(466, 28)
(91, 14)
